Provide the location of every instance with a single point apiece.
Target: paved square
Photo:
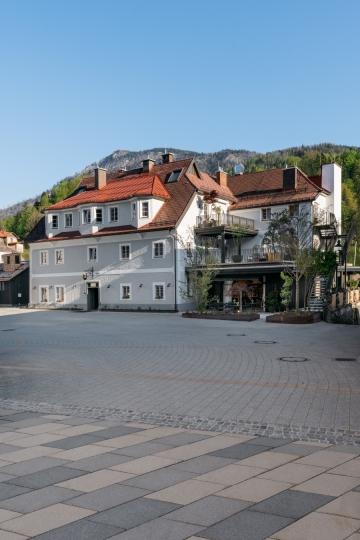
(188, 459)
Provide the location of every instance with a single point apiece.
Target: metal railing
(322, 217)
(245, 256)
(227, 220)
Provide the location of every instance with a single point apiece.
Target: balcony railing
(204, 255)
(224, 220)
(322, 217)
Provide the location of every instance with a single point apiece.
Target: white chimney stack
(331, 180)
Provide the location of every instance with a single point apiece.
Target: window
(92, 254)
(114, 213)
(43, 258)
(68, 220)
(8, 259)
(125, 291)
(2, 285)
(158, 250)
(173, 176)
(17, 259)
(125, 251)
(266, 214)
(159, 291)
(59, 294)
(98, 215)
(86, 215)
(44, 295)
(55, 221)
(59, 256)
(293, 210)
(145, 209)
(133, 210)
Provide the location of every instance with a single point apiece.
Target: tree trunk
(297, 293)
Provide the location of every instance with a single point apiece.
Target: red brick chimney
(167, 157)
(148, 164)
(100, 178)
(221, 178)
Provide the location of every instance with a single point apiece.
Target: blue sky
(81, 78)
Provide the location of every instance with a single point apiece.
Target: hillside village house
(121, 240)
(14, 273)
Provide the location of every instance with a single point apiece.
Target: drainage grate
(345, 359)
(265, 342)
(8, 330)
(236, 335)
(293, 359)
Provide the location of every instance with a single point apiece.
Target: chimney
(290, 179)
(221, 177)
(148, 164)
(167, 157)
(100, 178)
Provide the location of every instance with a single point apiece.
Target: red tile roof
(132, 186)
(6, 234)
(207, 184)
(274, 198)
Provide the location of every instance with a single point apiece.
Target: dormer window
(145, 209)
(133, 210)
(98, 215)
(55, 221)
(114, 213)
(86, 215)
(173, 176)
(68, 220)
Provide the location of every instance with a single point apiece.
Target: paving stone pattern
(192, 373)
(191, 485)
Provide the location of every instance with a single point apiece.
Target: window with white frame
(293, 210)
(114, 213)
(133, 210)
(266, 214)
(59, 256)
(125, 251)
(86, 215)
(159, 249)
(54, 221)
(68, 220)
(98, 215)
(159, 291)
(92, 254)
(59, 294)
(145, 209)
(125, 291)
(44, 257)
(44, 294)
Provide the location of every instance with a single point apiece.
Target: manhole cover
(265, 342)
(293, 359)
(236, 335)
(345, 359)
(8, 330)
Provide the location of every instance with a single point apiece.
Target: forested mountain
(22, 217)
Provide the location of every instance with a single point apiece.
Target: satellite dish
(239, 168)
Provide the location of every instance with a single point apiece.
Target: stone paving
(66, 477)
(162, 369)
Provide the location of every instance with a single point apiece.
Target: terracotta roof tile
(274, 198)
(207, 184)
(122, 189)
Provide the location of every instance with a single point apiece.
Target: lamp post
(338, 252)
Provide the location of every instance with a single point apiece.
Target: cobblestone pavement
(160, 368)
(65, 477)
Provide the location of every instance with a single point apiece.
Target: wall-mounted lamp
(168, 285)
(140, 285)
(34, 287)
(108, 287)
(51, 287)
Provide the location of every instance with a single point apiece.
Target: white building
(120, 241)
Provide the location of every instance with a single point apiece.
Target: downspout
(175, 269)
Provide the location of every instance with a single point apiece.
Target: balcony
(233, 255)
(226, 224)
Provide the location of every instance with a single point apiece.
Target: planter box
(223, 316)
(305, 317)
